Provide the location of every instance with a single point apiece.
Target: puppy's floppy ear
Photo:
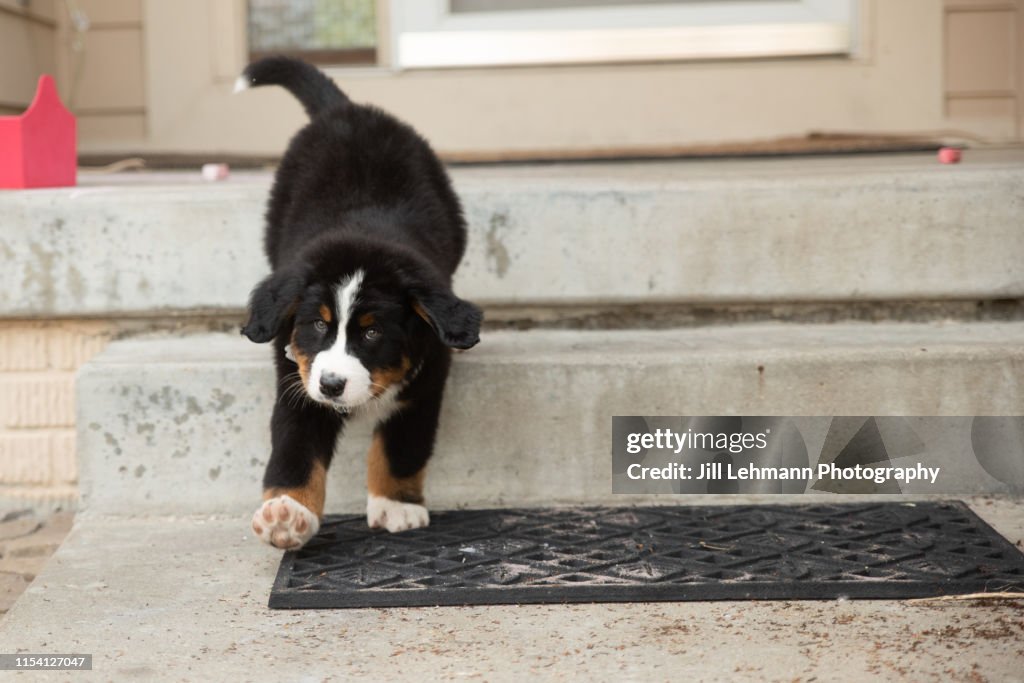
(456, 321)
(272, 302)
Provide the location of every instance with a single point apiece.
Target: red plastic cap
(949, 155)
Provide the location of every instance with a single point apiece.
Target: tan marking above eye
(366, 320)
(325, 312)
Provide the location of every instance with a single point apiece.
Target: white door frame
(428, 34)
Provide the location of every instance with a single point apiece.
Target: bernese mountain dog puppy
(363, 234)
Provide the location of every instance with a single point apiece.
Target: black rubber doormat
(640, 554)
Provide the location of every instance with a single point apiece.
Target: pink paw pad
(284, 523)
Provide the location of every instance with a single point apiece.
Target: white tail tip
(241, 83)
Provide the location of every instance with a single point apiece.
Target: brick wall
(38, 360)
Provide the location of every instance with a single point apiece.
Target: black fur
(358, 190)
(310, 86)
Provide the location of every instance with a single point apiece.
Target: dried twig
(971, 596)
(713, 547)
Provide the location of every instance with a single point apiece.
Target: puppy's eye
(320, 326)
(372, 333)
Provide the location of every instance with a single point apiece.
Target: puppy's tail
(309, 84)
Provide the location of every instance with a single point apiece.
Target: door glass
(514, 5)
(322, 31)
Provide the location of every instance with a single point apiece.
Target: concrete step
(805, 230)
(156, 598)
(173, 425)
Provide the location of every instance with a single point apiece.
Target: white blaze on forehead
(346, 295)
(336, 360)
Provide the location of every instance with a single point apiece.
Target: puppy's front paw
(284, 523)
(394, 515)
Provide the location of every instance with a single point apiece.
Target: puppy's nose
(332, 385)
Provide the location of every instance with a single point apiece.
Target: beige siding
(105, 81)
(108, 12)
(103, 84)
(111, 76)
(156, 76)
(111, 131)
(27, 49)
(45, 10)
(984, 66)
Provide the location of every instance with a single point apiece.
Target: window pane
(322, 27)
(515, 5)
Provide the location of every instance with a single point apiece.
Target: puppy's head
(358, 333)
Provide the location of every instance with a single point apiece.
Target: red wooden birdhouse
(37, 148)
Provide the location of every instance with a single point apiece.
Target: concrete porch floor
(184, 598)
